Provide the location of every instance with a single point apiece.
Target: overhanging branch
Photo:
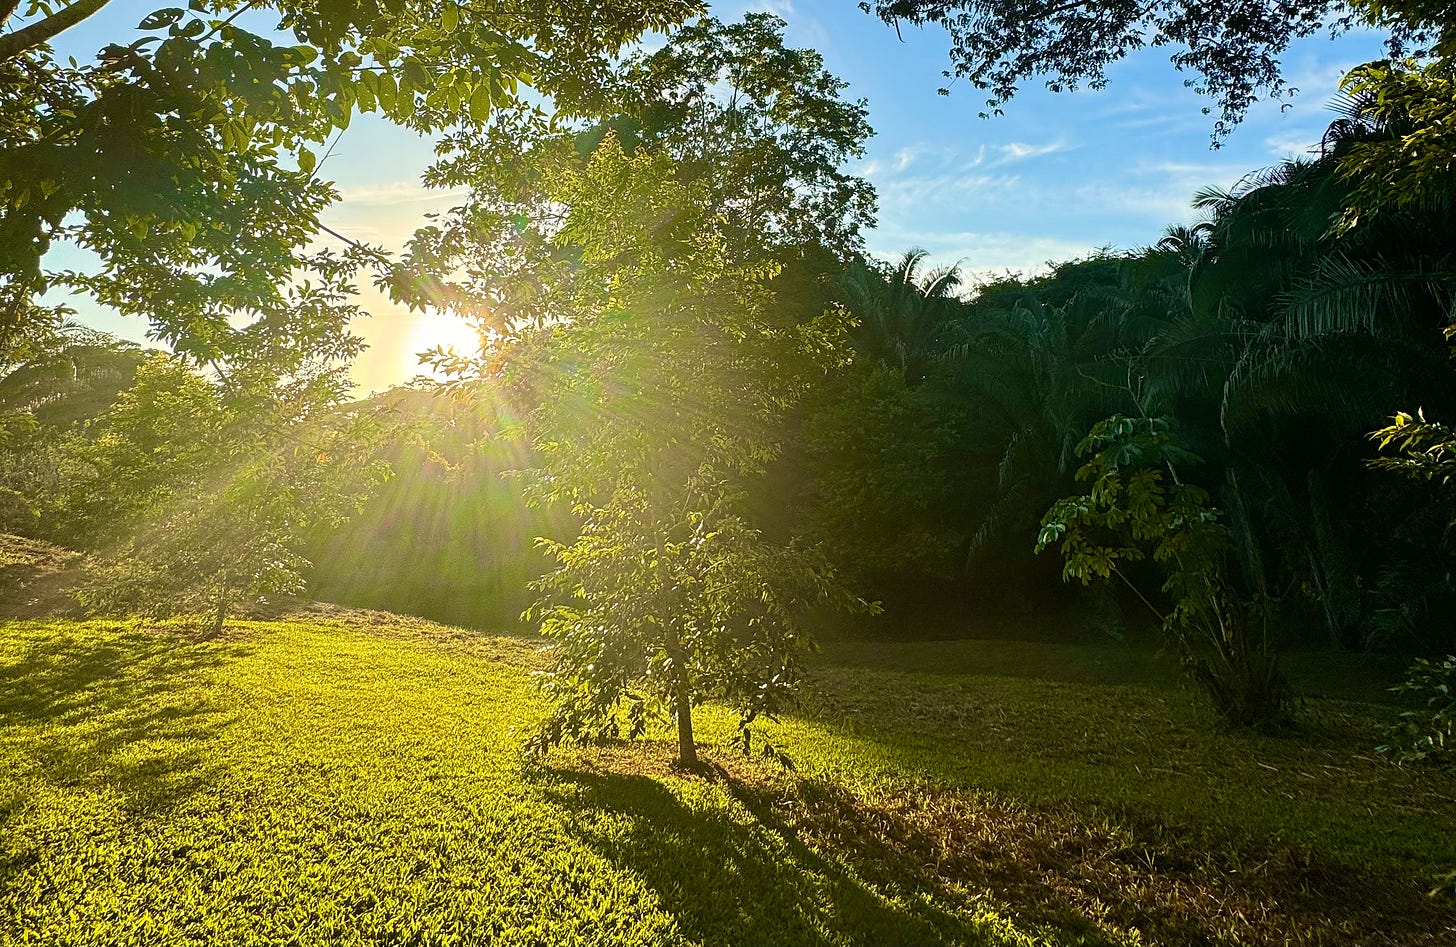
(42, 31)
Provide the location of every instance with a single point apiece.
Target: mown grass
(359, 781)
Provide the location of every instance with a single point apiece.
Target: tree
(1232, 46)
(623, 286)
(759, 128)
(1136, 505)
(667, 396)
(68, 375)
(903, 313)
(1296, 337)
(185, 155)
(191, 497)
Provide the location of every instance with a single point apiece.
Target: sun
(437, 328)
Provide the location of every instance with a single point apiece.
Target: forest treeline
(704, 425)
(924, 464)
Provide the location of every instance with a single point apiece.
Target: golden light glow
(436, 328)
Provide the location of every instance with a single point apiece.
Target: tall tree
(624, 290)
(1233, 46)
(184, 156)
(667, 401)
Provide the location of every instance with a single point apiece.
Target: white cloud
(1290, 144)
(981, 256)
(1160, 190)
(394, 193)
(1021, 151)
(904, 158)
(920, 176)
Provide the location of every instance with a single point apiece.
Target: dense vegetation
(704, 433)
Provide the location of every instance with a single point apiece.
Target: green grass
(347, 782)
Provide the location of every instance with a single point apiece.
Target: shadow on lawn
(97, 706)
(759, 882)
(807, 862)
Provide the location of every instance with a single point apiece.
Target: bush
(1425, 733)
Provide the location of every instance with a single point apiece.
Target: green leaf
(161, 18)
(386, 91)
(480, 103)
(307, 161)
(450, 18)
(417, 75)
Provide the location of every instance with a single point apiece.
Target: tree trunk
(1333, 564)
(687, 748)
(44, 29)
(1251, 557)
(682, 700)
(220, 616)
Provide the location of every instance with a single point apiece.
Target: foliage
(1424, 449)
(185, 155)
(69, 376)
(1136, 505)
(757, 129)
(621, 271)
(884, 478)
(1424, 733)
(771, 150)
(190, 498)
(455, 525)
(902, 312)
(1233, 47)
(666, 399)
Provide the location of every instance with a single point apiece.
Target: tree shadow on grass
(754, 879)
(117, 707)
(804, 861)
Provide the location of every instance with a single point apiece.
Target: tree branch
(42, 31)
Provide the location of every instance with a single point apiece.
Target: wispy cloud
(1021, 151)
(918, 177)
(1160, 190)
(395, 193)
(1290, 144)
(981, 256)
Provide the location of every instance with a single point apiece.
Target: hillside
(356, 782)
(35, 576)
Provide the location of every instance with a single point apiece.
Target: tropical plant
(1137, 506)
(903, 313)
(1426, 733)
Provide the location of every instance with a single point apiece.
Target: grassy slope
(353, 784)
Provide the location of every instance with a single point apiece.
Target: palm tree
(1299, 335)
(902, 311)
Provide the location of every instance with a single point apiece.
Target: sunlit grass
(346, 783)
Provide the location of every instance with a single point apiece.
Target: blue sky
(1054, 177)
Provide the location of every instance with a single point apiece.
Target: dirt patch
(36, 578)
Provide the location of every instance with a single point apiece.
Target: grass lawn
(354, 782)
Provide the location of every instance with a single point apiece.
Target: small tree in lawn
(1137, 506)
(619, 267)
(664, 383)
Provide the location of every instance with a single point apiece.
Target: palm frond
(1346, 295)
